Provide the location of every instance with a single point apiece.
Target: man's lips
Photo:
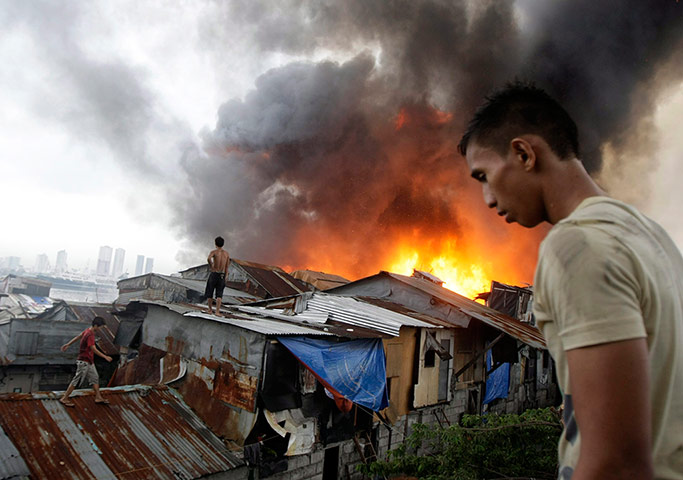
(505, 214)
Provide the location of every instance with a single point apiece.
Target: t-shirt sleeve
(587, 285)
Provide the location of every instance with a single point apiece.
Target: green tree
(480, 447)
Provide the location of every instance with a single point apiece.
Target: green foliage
(481, 447)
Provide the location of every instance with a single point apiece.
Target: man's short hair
(97, 322)
(521, 108)
(220, 242)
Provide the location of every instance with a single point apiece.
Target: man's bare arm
(70, 342)
(227, 264)
(97, 352)
(610, 393)
(210, 259)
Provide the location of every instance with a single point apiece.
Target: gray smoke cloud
(311, 154)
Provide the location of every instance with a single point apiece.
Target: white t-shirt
(607, 273)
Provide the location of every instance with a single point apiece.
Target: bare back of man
(219, 260)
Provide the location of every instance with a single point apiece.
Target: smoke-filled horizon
(345, 166)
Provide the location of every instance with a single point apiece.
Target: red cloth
(87, 341)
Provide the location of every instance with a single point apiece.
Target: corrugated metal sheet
(18, 305)
(350, 311)
(250, 319)
(315, 318)
(11, 463)
(368, 319)
(264, 326)
(524, 332)
(146, 432)
(274, 280)
(402, 309)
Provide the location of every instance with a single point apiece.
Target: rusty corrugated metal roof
(11, 463)
(274, 280)
(146, 432)
(504, 323)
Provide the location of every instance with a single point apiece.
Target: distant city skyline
(59, 262)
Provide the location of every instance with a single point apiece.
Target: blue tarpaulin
(498, 382)
(355, 369)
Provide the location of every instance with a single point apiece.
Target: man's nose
(489, 199)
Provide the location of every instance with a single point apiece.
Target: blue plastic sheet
(356, 369)
(498, 382)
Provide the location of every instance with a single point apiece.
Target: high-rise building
(149, 265)
(13, 263)
(60, 265)
(42, 263)
(119, 256)
(104, 261)
(139, 265)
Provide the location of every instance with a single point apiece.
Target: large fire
(402, 202)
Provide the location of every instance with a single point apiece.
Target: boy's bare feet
(67, 402)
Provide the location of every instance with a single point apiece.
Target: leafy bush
(481, 447)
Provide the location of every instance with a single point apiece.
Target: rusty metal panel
(223, 419)
(146, 432)
(274, 280)
(235, 387)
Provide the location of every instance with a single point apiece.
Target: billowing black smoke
(353, 153)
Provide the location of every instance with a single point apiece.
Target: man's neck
(569, 185)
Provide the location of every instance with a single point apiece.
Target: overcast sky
(100, 100)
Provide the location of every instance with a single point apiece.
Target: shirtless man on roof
(219, 261)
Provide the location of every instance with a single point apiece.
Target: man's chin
(526, 223)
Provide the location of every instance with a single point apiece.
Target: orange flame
(445, 262)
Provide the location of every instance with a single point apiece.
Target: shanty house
(479, 332)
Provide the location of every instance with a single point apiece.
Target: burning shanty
(291, 380)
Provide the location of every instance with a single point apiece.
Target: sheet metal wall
(224, 367)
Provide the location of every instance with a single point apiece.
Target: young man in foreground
(85, 365)
(608, 290)
(219, 262)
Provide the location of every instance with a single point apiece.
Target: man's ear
(524, 153)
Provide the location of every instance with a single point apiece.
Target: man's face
(507, 186)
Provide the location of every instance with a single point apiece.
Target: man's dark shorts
(216, 282)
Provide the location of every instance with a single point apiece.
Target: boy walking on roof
(85, 366)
